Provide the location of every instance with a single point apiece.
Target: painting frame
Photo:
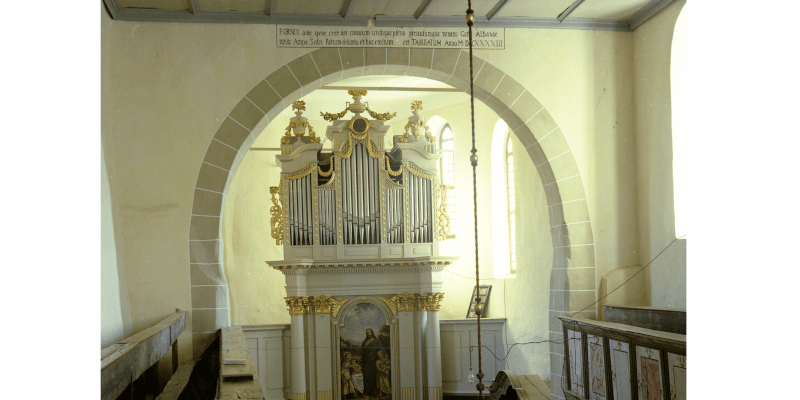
(485, 291)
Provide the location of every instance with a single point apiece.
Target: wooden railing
(123, 363)
(238, 376)
(599, 357)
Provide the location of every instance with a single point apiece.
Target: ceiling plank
(496, 9)
(422, 9)
(569, 10)
(233, 17)
(194, 7)
(396, 89)
(503, 22)
(647, 12)
(347, 8)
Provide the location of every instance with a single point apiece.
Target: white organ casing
(360, 231)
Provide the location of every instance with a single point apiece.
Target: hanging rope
(474, 160)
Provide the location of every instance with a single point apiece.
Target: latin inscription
(429, 38)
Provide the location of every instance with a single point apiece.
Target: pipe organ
(387, 203)
(360, 227)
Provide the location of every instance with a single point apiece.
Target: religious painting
(651, 379)
(597, 367)
(620, 369)
(365, 354)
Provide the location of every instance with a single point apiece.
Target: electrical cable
(626, 281)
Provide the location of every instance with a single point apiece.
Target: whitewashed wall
(111, 310)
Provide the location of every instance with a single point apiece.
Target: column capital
(405, 302)
(430, 301)
(297, 305)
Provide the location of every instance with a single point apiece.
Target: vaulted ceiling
(616, 15)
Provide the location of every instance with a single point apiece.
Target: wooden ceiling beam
(503, 22)
(423, 8)
(194, 7)
(347, 8)
(497, 8)
(564, 14)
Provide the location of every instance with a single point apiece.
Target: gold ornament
(385, 116)
(357, 93)
(333, 117)
(276, 221)
(299, 105)
(297, 305)
(391, 302)
(406, 302)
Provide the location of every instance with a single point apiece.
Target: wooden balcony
(614, 361)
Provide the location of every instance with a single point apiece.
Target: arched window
(512, 243)
(448, 174)
(678, 83)
(503, 202)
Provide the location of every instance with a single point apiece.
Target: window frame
(512, 204)
(451, 180)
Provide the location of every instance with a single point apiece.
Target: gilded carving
(405, 302)
(333, 117)
(276, 221)
(389, 169)
(323, 173)
(322, 304)
(335, 305)
(297, 305)
(299, 105)
(357, 92)
(385, 116)
(414, 169)
(430, 301)
(444, 217)
(301, 173)
(391, 302)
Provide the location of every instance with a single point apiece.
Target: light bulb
(471, 378)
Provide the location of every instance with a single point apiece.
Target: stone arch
(572, 279)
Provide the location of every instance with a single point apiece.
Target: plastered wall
(664, 282)
(112, 291)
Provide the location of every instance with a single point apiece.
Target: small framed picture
(482, 291)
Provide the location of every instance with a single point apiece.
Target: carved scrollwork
(444, 217)
(276, 212)
(391, 302)
(336, 304)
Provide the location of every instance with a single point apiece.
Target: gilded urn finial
(299, 105)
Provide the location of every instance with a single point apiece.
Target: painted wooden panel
(597, 368)
(576, 361)
(620, 369)
(648, 371)
(677, 376)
